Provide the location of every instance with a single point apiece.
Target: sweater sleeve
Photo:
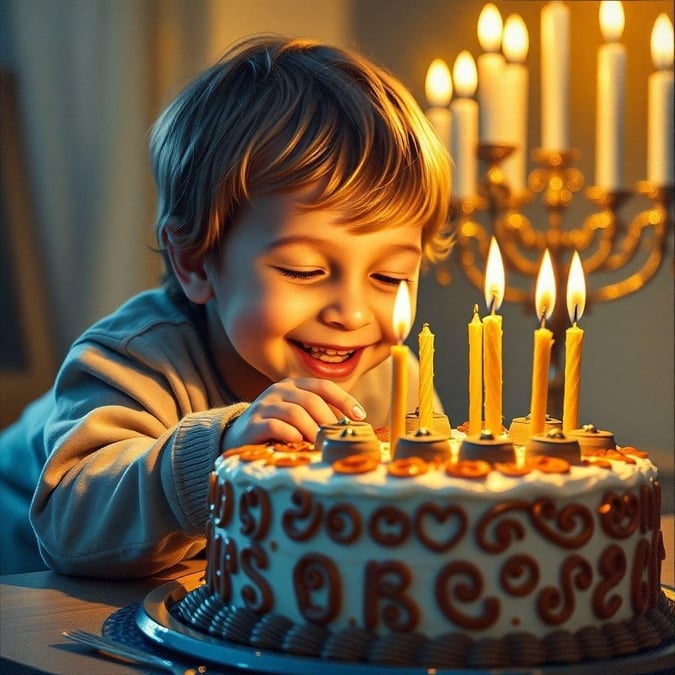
(124, 490)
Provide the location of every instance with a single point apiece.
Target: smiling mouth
(327, 354)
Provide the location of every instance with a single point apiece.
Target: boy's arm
(124, 491)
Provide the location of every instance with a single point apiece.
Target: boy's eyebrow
(306, 239)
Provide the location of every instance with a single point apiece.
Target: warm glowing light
(662, 43)
(401, 320)
(612, 20)
(516, 41)
(544, 294)
(494, 277)
(438, 85)
(490, 28)
(576, 289)
(465, 75)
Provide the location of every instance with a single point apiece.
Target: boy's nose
(348, 311)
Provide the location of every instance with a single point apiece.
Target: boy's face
(299, 295)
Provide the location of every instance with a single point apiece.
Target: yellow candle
(399, 357)
(543, 342)
(426, 383)
(492, 340)
(475, 373)
(574, 338)
(492, 369)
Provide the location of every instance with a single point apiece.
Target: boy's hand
(292, 410)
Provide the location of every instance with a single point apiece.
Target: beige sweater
(131, 431)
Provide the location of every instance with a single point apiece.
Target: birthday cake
(339, 551)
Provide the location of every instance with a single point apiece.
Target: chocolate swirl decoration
(463, 582)
(451, 517)
(307, 510)
(254, 558)
(389, 526)
(573, 523)
(496, 530)
(385, 584)
(343, 524)
(612, 567)
(221, 556)
(645, 577)
(224, 503)
(556, 607)
(316, 574)
(650, 507)
(619, 514)
(519, 575)
(254, 498)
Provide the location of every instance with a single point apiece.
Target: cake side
(434, 553)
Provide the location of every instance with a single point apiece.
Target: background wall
(93, 75)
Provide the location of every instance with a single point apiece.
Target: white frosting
(584, 487)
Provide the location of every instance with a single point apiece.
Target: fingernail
(358, 412)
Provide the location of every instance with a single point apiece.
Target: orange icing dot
(355, 464)
(547, 464)
(467, 468)
(407, 467)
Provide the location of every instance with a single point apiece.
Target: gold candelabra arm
(655, 220)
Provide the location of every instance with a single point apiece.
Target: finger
(335, 396)
(260, 430)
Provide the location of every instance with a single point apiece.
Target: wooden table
(36, 607)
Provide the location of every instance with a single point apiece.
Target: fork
(120, 650)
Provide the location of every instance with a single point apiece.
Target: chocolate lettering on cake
(254, 500)
(519, 575)
(461, 582)
(451, 519)
(389, 526)
(260, 598)
(343, 524)
(556, 605)
(221, 557)
(303, 522)
(612, 568)
(658, 555)
(573, 523)
(639, 582)
(224, 503)
(318, 589)
(385, 600)
(619, 514)
(650, 507)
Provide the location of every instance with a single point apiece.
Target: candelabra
(633, 250)
(619, 253)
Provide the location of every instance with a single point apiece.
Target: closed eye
(390, 281)
(300, 275)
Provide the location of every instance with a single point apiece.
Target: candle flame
(576, 289)
(490, 28)
(662, 43)
(516, 40)
(612, 20)
(465, 74)
(401, 320)
(494, 277)
(544, 294)
(438, 84)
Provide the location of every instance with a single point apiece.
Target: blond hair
(277, 115)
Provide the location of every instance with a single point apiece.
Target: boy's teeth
(327, 354)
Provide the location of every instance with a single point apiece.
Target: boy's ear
(191, 273)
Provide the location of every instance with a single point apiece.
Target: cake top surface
(280, 469)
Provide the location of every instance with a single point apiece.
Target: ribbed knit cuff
(196, 446)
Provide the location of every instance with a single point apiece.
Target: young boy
(298, 186)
